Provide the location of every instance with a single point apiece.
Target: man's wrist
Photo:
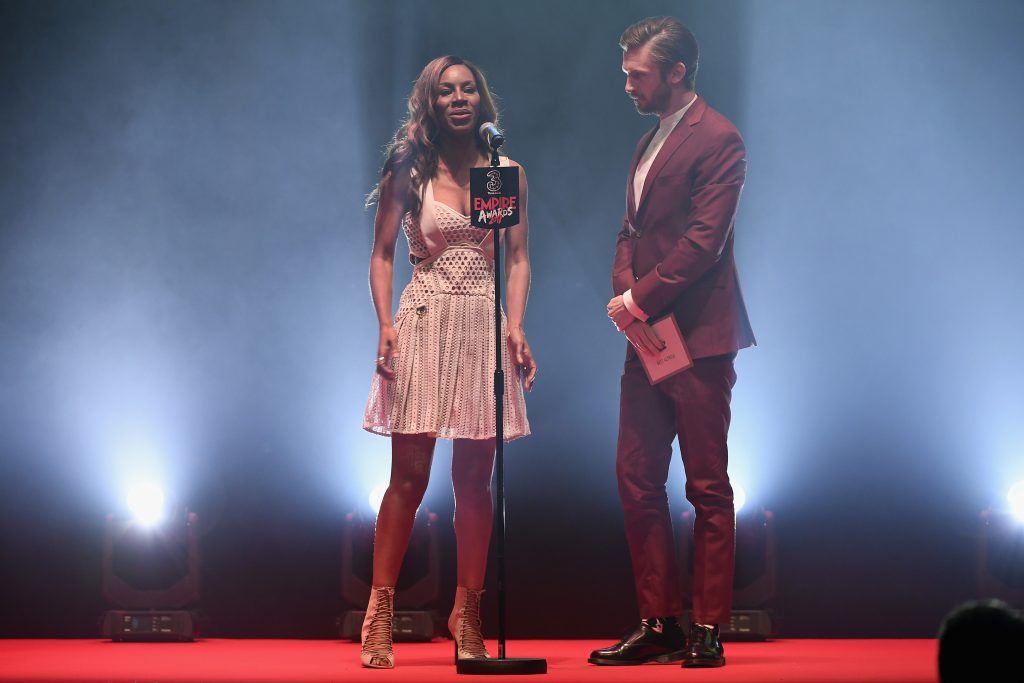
(632, 307)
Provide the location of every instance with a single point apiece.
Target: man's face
(644, 82)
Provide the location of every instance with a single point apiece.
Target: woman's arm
(517, 267)
(394, 188)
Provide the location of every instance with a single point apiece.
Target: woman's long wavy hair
(413, 149)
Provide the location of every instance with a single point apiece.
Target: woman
(435, 360)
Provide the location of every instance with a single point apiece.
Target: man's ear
(677, 73)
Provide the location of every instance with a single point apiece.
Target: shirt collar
(670, 122)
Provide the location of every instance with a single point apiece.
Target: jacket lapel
(630, 196)
(676, 138)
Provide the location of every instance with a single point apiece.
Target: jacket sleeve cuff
(627, 299)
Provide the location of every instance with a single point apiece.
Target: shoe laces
(381, 626)
(471, 640)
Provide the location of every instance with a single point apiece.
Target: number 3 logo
(494, 184)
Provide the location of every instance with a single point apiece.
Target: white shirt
(665, 128)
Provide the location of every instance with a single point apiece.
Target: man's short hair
(670, 42)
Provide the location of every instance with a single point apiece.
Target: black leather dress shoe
(703, 649)
(655, 640)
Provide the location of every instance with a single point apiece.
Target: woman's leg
(472, 467)
(411, 455)
(410, 471)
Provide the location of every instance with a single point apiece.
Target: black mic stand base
(497, 666)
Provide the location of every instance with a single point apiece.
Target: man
(674, 256)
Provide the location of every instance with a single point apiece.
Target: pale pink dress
(444, 373)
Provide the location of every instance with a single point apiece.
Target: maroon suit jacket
(675, 252)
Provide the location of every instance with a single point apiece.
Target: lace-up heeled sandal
(378, 624)
(464, 625)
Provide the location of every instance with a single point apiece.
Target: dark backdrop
(183, 255)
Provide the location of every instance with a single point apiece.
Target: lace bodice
(454, 226)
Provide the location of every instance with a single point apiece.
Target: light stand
(500, 664)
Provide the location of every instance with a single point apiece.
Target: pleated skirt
(444, 373)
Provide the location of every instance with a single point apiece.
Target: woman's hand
(522, 356)
(387, 349)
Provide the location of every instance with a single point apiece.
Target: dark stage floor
(902, 661)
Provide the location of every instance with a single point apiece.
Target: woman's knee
(472, 469)
(409, 487)
(472, 485)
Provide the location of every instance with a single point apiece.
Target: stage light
(417, 608)
(1016, 499)
(377, 497)
(146, 502)
(1000, 554)
(755, 581)
(151, 577)
(739, 496)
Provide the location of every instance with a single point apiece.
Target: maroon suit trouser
(693, 405)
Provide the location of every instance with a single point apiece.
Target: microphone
(491, 135)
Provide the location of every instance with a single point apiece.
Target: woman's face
(458, 101)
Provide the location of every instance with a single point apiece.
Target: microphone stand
(500, 664)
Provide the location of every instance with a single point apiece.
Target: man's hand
(643, 338)
(619, 314)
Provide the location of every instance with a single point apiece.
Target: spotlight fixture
(419, 584)
(755, 579)
(151, 574)
(999, 568)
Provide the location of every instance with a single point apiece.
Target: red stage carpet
(902, 661)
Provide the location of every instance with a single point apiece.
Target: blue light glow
(377, 497)
(1015, 497)
(146, 501)
(739, 497)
